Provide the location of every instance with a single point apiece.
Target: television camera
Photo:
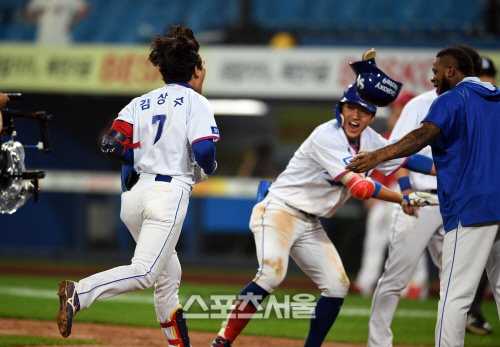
(16, 183)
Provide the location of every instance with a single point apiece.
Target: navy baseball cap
(488, 68)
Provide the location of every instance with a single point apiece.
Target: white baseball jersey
(310, 182)
(409, 236)
(167, 122)
(413, 113)
(55, 20)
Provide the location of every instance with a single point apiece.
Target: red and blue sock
(245, 306)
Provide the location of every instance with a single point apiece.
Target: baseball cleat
(477, 325)
(220, 342)
(69, 305)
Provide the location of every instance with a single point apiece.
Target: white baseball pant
(153, 212)
(408, 238)
(281, 231)
(466, 252)
(378, 221)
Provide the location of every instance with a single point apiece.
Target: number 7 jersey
(167, 122)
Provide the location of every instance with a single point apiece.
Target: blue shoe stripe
(145, 274)
(448, 286)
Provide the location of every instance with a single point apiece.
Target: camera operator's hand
(3, 100)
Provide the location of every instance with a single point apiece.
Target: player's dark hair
(476, 58)
(462, 60)
(176, 54)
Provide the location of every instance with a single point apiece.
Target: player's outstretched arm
(408, 145)
(364, 188)
(413, 199)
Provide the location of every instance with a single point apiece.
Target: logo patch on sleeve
(215, 130)
(346, 160)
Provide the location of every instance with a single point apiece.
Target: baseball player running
(162, 134)
(314, 184)
(461, 127)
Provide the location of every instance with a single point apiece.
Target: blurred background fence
(275, 70)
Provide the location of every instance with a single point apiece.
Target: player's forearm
(389, 195)
(403, 177)
(412, 143)
(402, 172)
(433, 170)
(204, 154)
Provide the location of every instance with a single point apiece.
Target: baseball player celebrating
(461, 127)
(314, 184)
(378, 221)
(161, 133)
(409, 235)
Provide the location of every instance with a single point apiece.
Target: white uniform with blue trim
(285, 223)
(466, 159)
(166, 122)
(409, 236)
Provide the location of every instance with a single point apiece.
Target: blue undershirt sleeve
(204, 154)
(128, 157)
(419, 163)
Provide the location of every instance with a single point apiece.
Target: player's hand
(199, 174)
(364, 161)
(3, 100)
(418, 199)
(410, 210)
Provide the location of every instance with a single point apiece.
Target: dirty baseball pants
(280, 231)
(467, 251)
(153, 211)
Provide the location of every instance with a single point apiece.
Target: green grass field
(35, 298)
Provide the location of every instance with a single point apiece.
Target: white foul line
(143, 299)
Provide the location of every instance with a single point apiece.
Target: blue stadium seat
(123, 21)
(337, 16)
(467, 17)
(276, 15)
(19, 32)
(14, 26)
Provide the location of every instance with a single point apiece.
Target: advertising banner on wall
(78, 69)
(310, 73)
(242, 72)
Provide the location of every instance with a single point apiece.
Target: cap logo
(360, 82)
(391, 90)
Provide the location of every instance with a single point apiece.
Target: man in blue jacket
(462, 128)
